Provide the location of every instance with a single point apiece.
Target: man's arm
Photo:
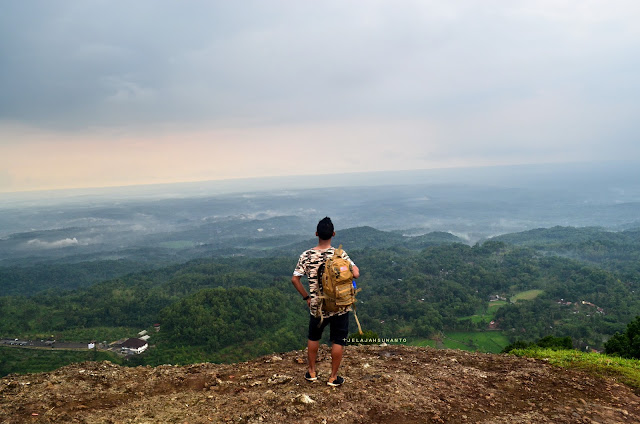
(295, 280)
(355, 271)
(354, 268)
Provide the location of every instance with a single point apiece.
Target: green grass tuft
(473, 341)
(626, 371)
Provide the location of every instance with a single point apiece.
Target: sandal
(337, 382)
(308, 377)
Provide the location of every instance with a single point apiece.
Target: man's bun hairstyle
(325, 228)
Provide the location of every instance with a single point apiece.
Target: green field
(422, 342)
(485, 315)
(481, 341)
(493, 306)
(526, 295)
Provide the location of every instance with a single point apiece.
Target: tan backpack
(338, 291)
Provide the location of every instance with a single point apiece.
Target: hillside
(390, 384)
(222, 309)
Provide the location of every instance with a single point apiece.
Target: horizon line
(273, 177)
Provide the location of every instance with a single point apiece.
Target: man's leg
(336, 359)
(313, 343)
(339, 333)
(312, 355)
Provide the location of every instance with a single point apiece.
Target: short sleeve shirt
(309, 264)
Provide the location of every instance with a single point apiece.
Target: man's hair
(325, 228)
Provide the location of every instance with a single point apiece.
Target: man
(309, 264)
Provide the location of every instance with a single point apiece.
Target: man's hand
(295, 280)
(355, 271)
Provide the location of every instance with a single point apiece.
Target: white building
(133, 345)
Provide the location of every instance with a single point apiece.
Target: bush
(518, 344)
(627, 344)
(556, 343)
(548, 342)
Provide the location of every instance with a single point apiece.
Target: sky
(112, 93)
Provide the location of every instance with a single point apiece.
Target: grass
(526, 295)
(626, 371)
(481, 341)
(493, 306)
(422, 342)
(485, 314)
(478, 318)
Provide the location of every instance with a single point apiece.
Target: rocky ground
(384, 384)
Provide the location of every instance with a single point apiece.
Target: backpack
(337, 285)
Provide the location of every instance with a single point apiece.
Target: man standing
(309, 265)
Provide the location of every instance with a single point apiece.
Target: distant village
(493, 325)
(123, 347)
(598, 310)
(497, 297)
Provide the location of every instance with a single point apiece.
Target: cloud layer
(261, 85)
(43, 244)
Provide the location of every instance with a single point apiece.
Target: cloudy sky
(107, 93)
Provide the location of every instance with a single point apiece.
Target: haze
(174, 223)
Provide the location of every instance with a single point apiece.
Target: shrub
(627, 344)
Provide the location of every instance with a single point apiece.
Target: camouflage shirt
(308, 264)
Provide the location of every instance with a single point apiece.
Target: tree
(627, 344)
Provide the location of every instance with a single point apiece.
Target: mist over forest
(178, 222)
(468, 258)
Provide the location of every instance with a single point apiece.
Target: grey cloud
(107, 63)
(53, 244)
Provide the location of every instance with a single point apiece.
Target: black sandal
(337, 382)
(308, 377)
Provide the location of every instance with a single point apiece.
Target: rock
(304, 399)
(279, 379)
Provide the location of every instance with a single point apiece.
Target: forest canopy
(227, 308)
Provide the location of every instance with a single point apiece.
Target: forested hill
(360, 238)
(236, 307)
(30, 278)
(615, 251)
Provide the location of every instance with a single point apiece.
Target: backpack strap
(357, 321)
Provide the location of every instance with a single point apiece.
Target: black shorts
(338, 328)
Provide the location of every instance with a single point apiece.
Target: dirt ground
(384, 384)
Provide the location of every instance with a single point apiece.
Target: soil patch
(390, 384)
